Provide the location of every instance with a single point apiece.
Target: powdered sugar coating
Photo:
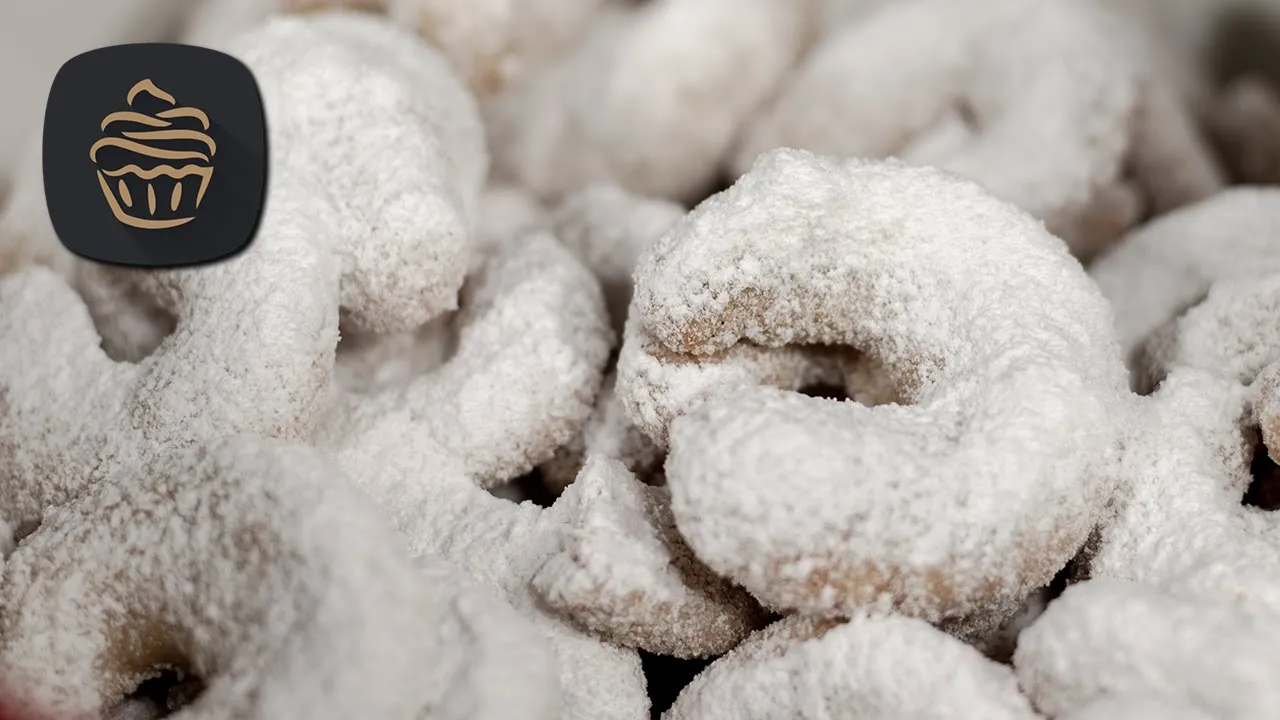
(394, 203)
(656, 385)
(975, 491)
(1128, 707)
(608, 228)
(647, 99)
(252, 352)
(868, 668)
(256, 567)
(608, 432)
(625, 573)
(1195, 442)
(406, 185)
(1266, 408)
(532, 341)
(495, 42)
(1040, 99)
(1105, 638)
(1232, 333)
(1170, 263)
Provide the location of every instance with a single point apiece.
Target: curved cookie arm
(646, 100)
(1216, 368)
(252, 350)
(977, 315)
(870, 668)
(1063, 55)
(870, 88)
(532, 345)
(1234, 333)
(59, 395)
(533, 320)
(387, 136)
(503, 545)
(1108, 638)
(253, 566)
(1194, 442)
(1035, 99)
(1160, 269)
(624, 572)
(500, 545)
(608, 228)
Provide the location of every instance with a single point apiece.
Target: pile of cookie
(910, 359)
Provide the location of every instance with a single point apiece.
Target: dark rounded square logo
(155, 155)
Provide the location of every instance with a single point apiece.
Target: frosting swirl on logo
(154, 153)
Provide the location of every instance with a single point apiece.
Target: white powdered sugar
(974, 493)
(646, 99)
(608, 228)
(625, 573)
(1163, 267)
(184, 564)
(868, 668)
(1106, 637)
(1056, 80)
(532, 340)
(856, 437)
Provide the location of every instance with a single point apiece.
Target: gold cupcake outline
(135, 141)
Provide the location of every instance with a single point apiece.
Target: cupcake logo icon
(155, 155)
(154, 166)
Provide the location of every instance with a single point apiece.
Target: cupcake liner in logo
(142, 182)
